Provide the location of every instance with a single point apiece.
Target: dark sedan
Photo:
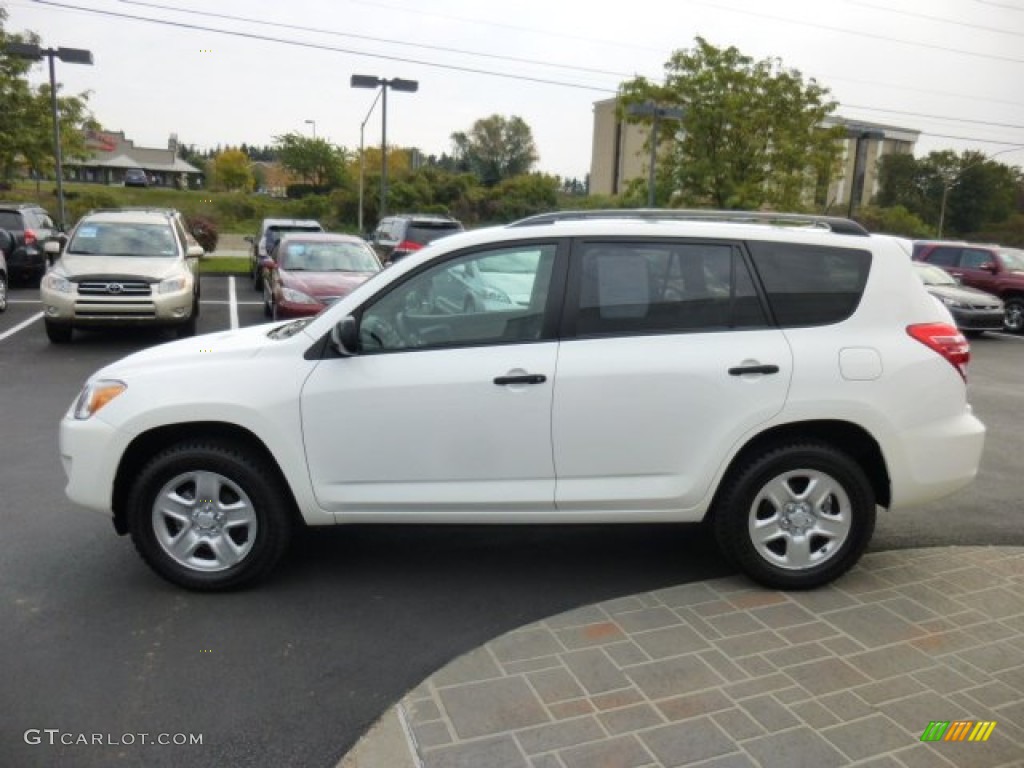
(974, 311)
(309, 271)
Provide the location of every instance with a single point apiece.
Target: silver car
(123, 267)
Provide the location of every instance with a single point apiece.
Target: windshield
(151, 240)
(1013, 259)
(934, 276)
(328, 257)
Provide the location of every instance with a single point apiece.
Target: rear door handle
(527, 378)
(753, 369)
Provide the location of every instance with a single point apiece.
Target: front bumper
(89, 450)
(978, 319)
(90, 310)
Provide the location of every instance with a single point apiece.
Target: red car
(309, 271)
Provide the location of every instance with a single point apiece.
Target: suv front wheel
(1013, 320)
(207, 515)
(797, 516)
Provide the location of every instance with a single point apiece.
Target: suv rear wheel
(207, 515)
(797, 516)
(58, 333)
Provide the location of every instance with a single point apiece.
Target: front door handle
(753, 369)
(527, 378)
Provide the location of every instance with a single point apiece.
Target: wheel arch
(149, 443)
(849, 438)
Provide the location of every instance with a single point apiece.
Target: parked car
(307, 272)
(6, 244)
(30, 226)
(397, 236)
(764, 378)
(136, 177)
(262, 244)
(974, 311)
(131, 267)
(994, 269)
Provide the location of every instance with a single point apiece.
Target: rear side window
(811, 284)
(10, 220)
(423, 233)
(944, 256)
(974, 258)
(666, 287)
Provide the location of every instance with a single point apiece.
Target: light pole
(656, 113)
(362, 158)
(948, 184)
(313, 123)
(396, 84)
(71, 56)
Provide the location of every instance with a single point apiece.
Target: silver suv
(777, 377)
(123, 267)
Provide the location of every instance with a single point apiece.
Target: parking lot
(293, 672)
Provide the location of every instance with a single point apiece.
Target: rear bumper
(936, 460)
(26, 260)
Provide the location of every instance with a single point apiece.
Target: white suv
(779, 377)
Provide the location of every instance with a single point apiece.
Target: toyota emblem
(115, 288)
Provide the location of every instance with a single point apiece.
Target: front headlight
(297, 297)
(172, 285)
(951, 302)
(54, 282)
(96, 395)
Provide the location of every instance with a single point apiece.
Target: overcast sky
(951, 69)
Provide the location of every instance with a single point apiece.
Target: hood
(225, 347)
(73, 266)
(964, 295)
(323, 284)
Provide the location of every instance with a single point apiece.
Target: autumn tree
(317, 161)
(232, 170)
(751, 134)
(496, 148)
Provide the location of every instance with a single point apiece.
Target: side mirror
(195, 252)
(345, 337)
(52, 247)
(250, 239)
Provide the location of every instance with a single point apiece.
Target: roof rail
(835, 224)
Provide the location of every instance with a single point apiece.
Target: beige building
(619, 155)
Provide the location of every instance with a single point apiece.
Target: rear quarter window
(809, 284)
(427, 233)
(10, 220)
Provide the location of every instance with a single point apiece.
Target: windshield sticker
(87, 232)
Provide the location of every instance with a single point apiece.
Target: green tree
(496, 148)
(319, 162)
(26, 131)
(751, 134)
(232, 170)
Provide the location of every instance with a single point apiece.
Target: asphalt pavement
(294, 672)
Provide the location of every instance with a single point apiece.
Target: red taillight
(30, 237)
(408, 246)
(947, 341)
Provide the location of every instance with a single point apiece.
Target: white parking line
(19, 326)
(233, 302)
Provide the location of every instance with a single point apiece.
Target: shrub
(205, 230)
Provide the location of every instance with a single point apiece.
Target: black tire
(1013, 320)
(3, 292)
(257, 276)
(190, 326)
(268, 303)
(835, 531)
(246, 488)
(58, 333)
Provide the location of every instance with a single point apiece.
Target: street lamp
(948, 184)
(362, 157)
(313, 123)
(71, 56)
(656, 113)
(396, 84)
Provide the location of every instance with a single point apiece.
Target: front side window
(664, 287)
(944, 256)
(974, 259)
(497, 296)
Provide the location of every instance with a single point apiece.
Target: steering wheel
(381, 332)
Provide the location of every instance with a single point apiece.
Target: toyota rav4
(764, 376)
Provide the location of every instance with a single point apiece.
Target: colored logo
(958, 730)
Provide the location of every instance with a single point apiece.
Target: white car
(780, 377)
